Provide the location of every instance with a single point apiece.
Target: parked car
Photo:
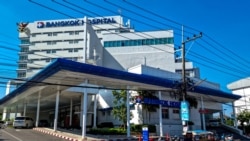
(2, 124)
(26, 122)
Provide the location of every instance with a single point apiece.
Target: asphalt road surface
(11, 134)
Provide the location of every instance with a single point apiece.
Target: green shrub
(120, 131)
(138, 128)
(107, 131)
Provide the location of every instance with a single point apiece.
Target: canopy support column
(38, 108)
(56, 108)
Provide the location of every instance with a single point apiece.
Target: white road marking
(12, 135)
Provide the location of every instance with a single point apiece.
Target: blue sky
(221, 54)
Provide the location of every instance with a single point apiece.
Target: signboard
(164, 103)
(203, 111)
(184, 111)
(145, 134)
(75, 22)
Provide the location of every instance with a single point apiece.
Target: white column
(24, 109)
(234, 116)
(16, 111)
(81, 110)
(95, 107)
(160, 115)
(70, 115)
(38, 108)
(85, 40)
(128, 112)
(56, 109)
(84, 115)
(8, 113)
(202, 114)
(4, 117)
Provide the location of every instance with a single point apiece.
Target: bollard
(140, 138)
(167, 137)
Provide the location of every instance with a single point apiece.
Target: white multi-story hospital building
(104, 54)
(109, 43)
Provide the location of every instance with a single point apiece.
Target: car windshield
(20, 118)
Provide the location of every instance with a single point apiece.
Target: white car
(26, 122)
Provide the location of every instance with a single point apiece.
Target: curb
(55, 134)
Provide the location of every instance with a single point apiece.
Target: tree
(148, 108)
(243, 116)
(119, 109)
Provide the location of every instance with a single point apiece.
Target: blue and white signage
(145, 134)
(164, 103)
(76, 22)
(184, 111)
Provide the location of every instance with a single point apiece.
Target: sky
(221, 53)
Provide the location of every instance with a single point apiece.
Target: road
(11, 134)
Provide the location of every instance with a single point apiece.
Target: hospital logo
(40, 24)
(138, 99)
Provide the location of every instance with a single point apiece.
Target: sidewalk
(75, 135)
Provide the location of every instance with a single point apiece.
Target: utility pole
(184, 104)
(184, 85)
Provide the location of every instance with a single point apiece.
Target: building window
(73, 42)
(22, 66)
(77, 33)
(165, 113)
(54, 34)
(21, 74)
(103, 113)
(176, 111)
(70, 50)
(53, 51)
(51, 43)
(108, 113)
(24, 49)
(25, 41)
(21, 58)
(49, 34)
(139, 42)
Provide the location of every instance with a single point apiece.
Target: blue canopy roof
(63, 64)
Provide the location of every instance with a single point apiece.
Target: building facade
(242, 88)
(108, 43)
